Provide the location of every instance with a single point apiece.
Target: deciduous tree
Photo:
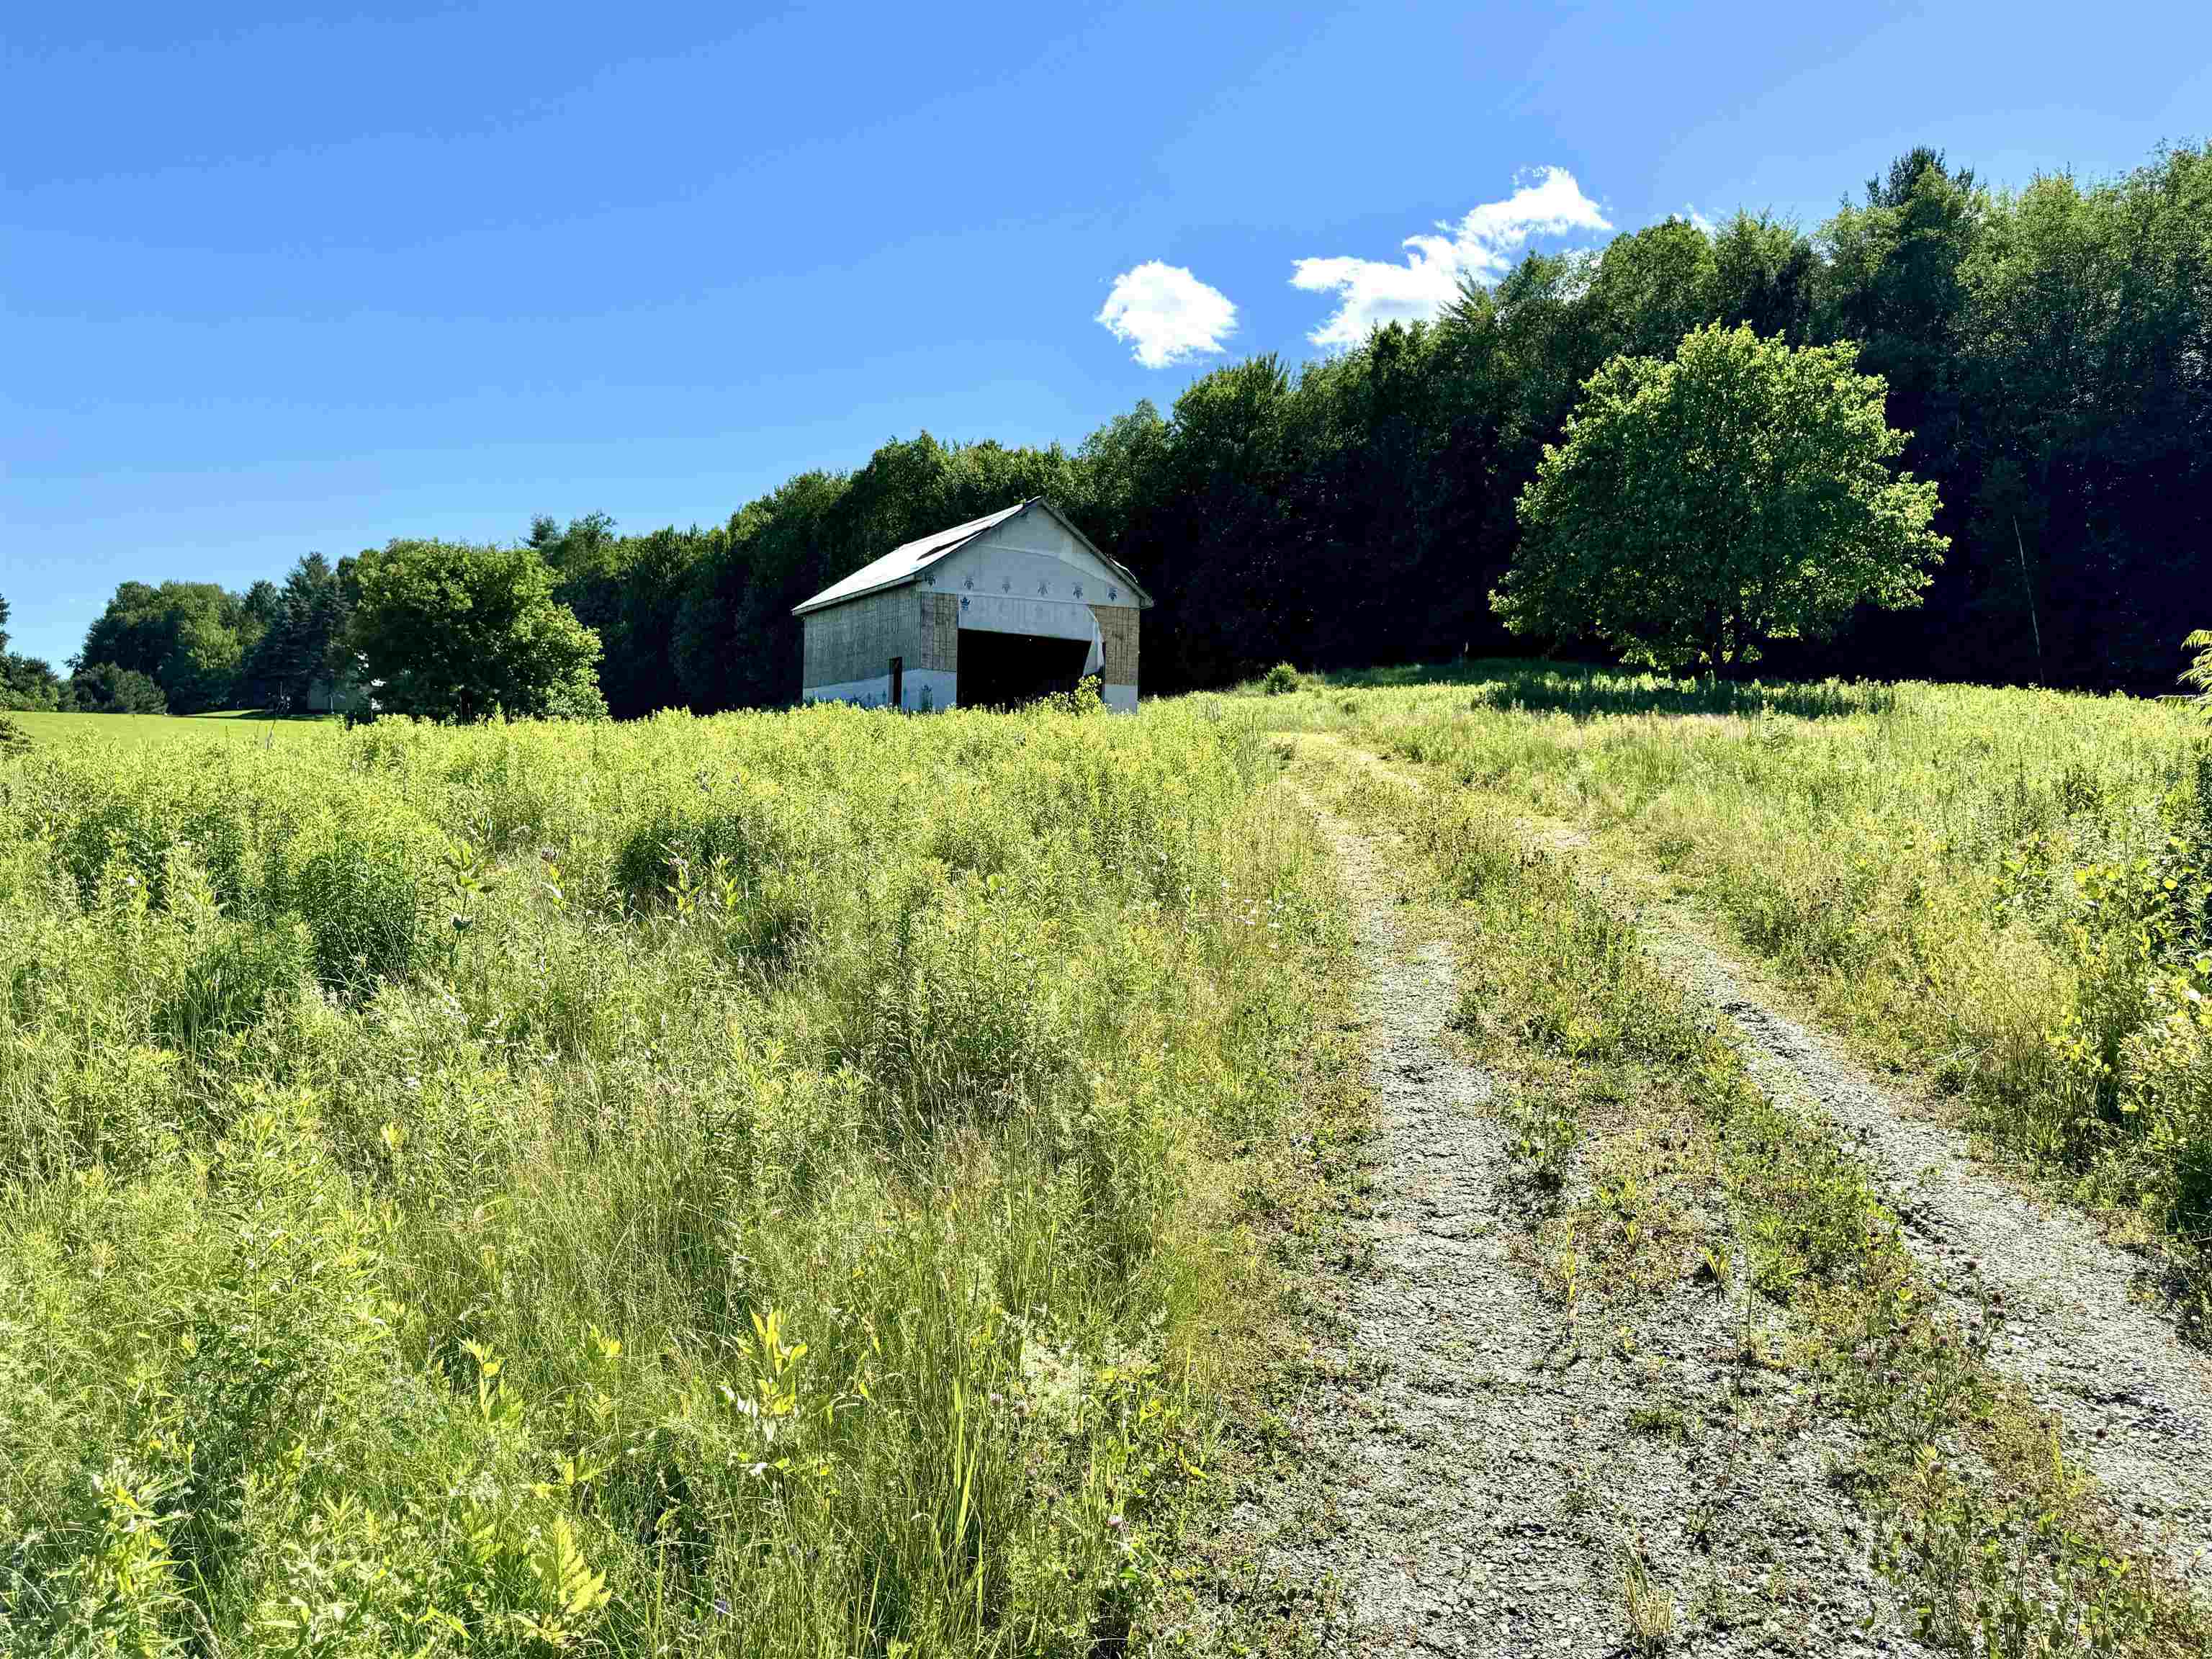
(104, 688)
(1705, 505)
(456, 631)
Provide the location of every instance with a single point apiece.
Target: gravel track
(1472, 1475)
(2135, 1401)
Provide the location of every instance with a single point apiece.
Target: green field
(164, 729)
(833, 1182)
(767, 1184)
(2003, 895)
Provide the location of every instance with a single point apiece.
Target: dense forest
(2050, 349)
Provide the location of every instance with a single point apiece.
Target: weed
(1544, 1136)
(1649, 1607)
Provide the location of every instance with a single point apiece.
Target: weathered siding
(938, 636)
(1117, 632)
(857, 640)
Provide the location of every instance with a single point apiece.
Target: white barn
(995, 611)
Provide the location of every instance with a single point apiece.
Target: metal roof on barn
(906, 563)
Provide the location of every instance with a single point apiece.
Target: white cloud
(1167, 314)
(1691, 213)
(1482, 246)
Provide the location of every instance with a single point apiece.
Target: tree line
(190, 648)
(2047, 350)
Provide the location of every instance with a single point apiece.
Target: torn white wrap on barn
(990, 613)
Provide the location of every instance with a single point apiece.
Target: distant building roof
(904, 563)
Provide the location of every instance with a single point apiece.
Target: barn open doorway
(1002, 671)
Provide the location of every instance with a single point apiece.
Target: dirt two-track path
(2135, 1400)
(1478, 1485)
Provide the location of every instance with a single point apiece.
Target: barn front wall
(1117, 630)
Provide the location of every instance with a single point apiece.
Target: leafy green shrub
(1279, 680)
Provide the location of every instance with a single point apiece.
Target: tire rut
(2133, 1400)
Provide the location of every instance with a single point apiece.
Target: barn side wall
(847, 650)
(857, 640)
(923, 690)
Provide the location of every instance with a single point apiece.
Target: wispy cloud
(1691, 213)
(1167, 314)
(1482, 246)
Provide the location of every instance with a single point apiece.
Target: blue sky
(275, 279)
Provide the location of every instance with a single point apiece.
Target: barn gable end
(1011, 585)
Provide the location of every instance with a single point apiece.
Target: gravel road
(1474, 1483)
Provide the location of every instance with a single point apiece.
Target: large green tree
(629, 590)
(104, 689)
(303, 642)
(457, 631)
(1703, 506)
(191, 638)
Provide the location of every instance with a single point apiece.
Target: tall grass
(2007, 893)
(755, 1185)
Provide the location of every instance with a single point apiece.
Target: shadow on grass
(1584, 691)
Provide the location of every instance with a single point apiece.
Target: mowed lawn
(167, 729)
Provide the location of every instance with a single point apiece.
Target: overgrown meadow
(764, 1184)
(2006, 895)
